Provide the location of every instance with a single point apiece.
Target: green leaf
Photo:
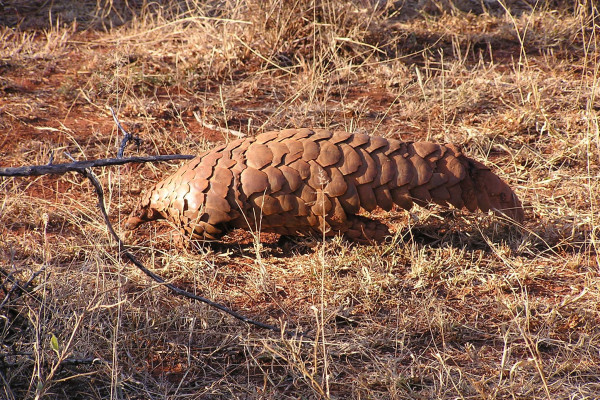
(54, 343)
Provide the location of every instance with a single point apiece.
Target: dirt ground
(453, 305)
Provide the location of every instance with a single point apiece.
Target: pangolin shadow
(432, 235)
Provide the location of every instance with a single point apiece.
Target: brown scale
(302, 181)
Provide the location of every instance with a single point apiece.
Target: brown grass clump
(454, 305)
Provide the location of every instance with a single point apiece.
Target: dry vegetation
(455, 305)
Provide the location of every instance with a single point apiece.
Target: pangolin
(316, 181)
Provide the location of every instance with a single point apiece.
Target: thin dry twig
(205, 124)
(28, 357)
(176, 290)
(80, 166)
(126, 135)
(17, 287)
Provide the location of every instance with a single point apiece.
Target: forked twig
(176, 290)
(126, 135)
(83, 167)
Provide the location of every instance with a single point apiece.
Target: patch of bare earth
(453, 305)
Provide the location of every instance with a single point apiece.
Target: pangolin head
(143, 212)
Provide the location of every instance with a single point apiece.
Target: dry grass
(455, 305)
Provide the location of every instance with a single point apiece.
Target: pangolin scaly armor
(303, 181)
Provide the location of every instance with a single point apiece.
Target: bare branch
(83, 167)
(80, 166)
(176, 290)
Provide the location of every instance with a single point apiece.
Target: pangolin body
(303, 181)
